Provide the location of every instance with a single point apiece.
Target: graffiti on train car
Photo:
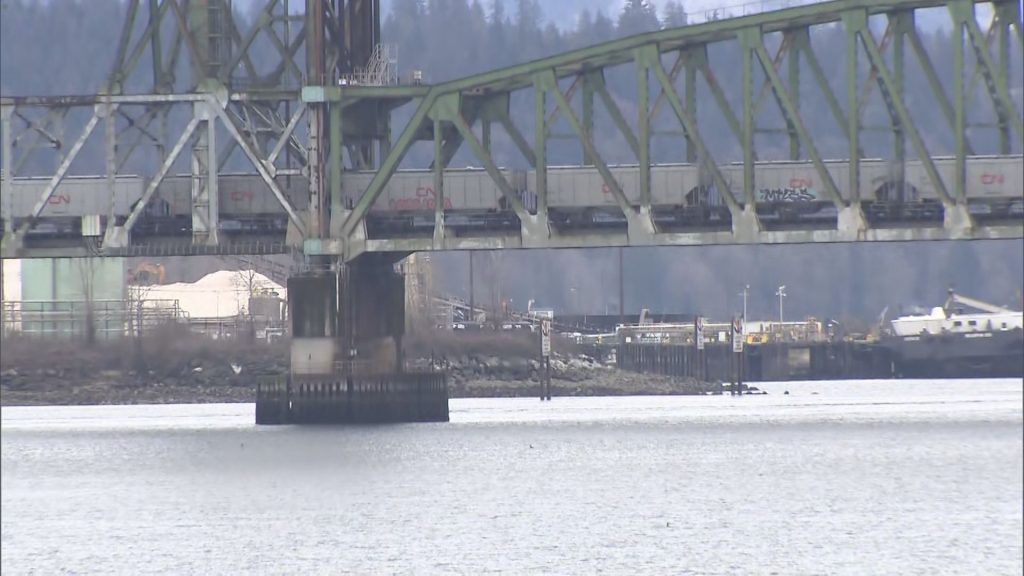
(788, 194)
(424, 199)
(242, 195)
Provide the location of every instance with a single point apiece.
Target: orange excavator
(147, 274)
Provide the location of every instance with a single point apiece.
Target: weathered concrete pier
(338, 399)
(346, 355)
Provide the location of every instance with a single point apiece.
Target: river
(833, 478)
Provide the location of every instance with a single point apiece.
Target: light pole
(781, 293)
(744, 294)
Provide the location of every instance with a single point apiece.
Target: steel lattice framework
(291, 113)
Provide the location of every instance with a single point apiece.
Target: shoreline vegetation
(178, 367)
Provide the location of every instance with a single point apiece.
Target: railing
(111, 319)
(743, 9)
(684, 334)
(69, 318)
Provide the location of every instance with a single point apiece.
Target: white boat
(951, 319)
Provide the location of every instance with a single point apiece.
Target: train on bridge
(682, 195)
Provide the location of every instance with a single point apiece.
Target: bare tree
(87, 274)
(134, 308)
(251, 284)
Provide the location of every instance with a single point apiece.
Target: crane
(955, 298)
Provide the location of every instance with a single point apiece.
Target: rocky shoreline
(113, 387)
(219, 374)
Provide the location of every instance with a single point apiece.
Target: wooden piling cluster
(329, 399)
(765, 362)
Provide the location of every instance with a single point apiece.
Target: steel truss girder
(584, 70)
(246, 120)
(206, 32)
(128, 122)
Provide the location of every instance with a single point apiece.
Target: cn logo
(801, 183)
(990, 179)
(59, 199)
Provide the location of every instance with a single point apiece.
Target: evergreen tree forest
(67, 47)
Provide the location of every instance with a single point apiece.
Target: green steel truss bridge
(326, 126)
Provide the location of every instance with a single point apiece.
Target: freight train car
(73, 199)
(245, 204)
(683, 194)
(408, 200)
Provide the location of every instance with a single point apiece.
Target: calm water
(836, 478)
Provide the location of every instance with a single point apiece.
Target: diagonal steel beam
(33, 130)
(596, 78)
(930, 74)
(266, 171)
(752, 38)
(287, 54)
(115, 76)
(125, 67)
(692, 132)
(895, 101)
(140, 126)
(492, 170)
(262, 20)
(62, 170)
(190, 41)
(871, 81)
(286, 134)
(673, 74)
(38, 127)
(165, 167)
(719, 95)
(780, 53)
(550, 85)
(517, 138)
(803, 45)
(569, 93)
(388, 166)
(995, 81)
(236, 39)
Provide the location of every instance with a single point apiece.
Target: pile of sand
(222, 294)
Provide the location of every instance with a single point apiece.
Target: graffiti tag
(801, 194)
(425, 199)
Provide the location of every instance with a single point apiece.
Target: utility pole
(472, 311)
(744, 294)
(622, 291)
(781, 293)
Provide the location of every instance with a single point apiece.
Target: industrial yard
(74, 334)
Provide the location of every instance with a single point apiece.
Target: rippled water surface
(834, 478)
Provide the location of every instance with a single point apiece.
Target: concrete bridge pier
(346, 355)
